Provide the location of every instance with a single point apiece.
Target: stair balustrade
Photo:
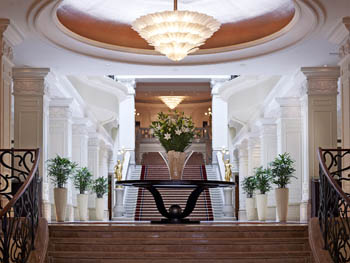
(20, 191)
(334, 207)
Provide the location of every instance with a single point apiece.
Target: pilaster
(6, 56)
(31, 118)
(320, 121)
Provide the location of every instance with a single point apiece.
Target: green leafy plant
(60, 169)
(263, 179)
(82, 180)
(100, 187)
(175, 131)
(282, 169)
(249, 185)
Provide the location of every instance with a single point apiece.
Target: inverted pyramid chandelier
(172, 101)
(176, 33)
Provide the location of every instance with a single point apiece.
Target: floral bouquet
(175, 131)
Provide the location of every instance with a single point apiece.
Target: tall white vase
(250, 209)
(100, 209)
(60, 196)
(82, 200)
(261, 203)
(282, 196)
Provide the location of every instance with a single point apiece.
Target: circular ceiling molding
(108, 22)
(235, 42)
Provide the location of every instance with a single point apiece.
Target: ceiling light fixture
(176, 33)
(172, 101)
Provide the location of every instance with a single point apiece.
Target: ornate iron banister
(334, 211)
(19, 204)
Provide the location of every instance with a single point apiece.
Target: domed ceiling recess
(109, 21)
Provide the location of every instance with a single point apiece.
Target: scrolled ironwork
(334, 211)
(20, 186)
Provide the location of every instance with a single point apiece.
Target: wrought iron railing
(19, 204)
(334, 210)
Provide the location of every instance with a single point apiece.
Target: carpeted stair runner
(146, 209)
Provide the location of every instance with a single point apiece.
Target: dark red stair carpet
(146, 209)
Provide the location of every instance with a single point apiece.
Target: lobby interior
(76, 80)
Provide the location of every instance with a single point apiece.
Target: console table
(175, 215)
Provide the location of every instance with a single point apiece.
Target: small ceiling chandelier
(176, 33)
(172, 101)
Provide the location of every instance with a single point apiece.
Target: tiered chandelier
(176, 33)
(172, 101)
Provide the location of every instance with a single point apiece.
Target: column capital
(61, 108)
(29, 81)
(243, 150)
(321, 80)
(289, 107)
(130, 84)
(216, 83)
(267, 126)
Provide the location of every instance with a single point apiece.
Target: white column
(220, 128)
(289, 139)
(243, 172)
(31, 115)
(254, 159)
(6, 56)
(94, 142)
(268, 140)
(60, 141)
(127, 119)
(79, 149)
(320, 109)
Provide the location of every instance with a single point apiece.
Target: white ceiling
(313, 49)
(128, 11)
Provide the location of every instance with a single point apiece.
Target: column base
(46, 210)
(304, 211)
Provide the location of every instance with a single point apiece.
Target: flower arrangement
(175, 131)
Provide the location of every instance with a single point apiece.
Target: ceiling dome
(109, 21)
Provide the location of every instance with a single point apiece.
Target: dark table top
(175, 183)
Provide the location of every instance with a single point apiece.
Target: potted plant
(249, 186)
(82, 181)
(100, 187)
(282, 169)
(175, 132)
(59, 171)
(263, 184)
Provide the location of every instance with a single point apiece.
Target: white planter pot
(250, 209)
(82, 200)
(261, 203)
(100, 209)
(282, 196)
(60, 197)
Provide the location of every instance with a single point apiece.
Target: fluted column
(243, 172)
(254, 153)
(94, 143)
(289, 139)
(320, 121)
(268, 140)
(60, 141)
(31, 119)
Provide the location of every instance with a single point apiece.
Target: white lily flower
(178, 132)
(167, 136)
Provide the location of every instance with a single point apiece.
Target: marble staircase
(206, 243)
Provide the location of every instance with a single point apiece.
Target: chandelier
(172, 101)
(176, 33)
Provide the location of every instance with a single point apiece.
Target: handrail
(19, 218)
(25, 185)
(334, 211)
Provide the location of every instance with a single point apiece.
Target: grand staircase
(127, 243)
